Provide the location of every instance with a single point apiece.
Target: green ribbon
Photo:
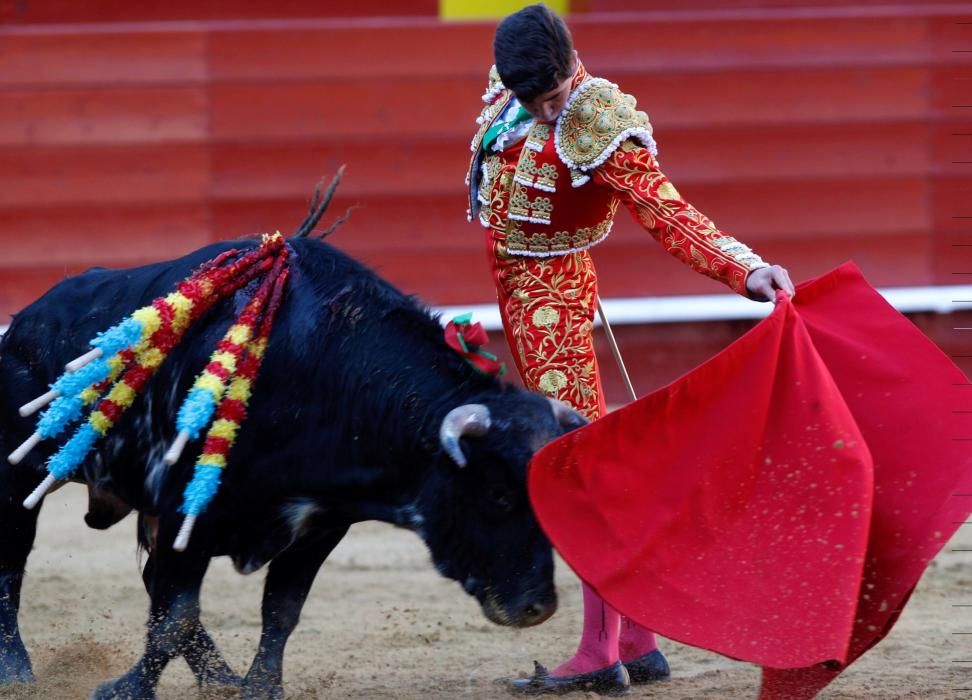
(498, 128)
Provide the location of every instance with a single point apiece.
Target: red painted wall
(815, 135)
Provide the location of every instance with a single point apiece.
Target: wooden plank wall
(815, 135)
(123, 11)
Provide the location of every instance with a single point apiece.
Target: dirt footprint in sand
(69, 671)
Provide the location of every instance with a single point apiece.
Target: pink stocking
(636, 641)
(598, 647)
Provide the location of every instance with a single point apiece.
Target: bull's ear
(468, 419)
(566, 416)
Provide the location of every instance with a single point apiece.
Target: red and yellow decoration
(136, 348)
(237, 361)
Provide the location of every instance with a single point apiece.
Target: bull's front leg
(19, 527)
(200, 652)
(288, 581)
(14, 661)
(174, 583)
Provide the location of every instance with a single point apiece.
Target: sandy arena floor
(381, 623)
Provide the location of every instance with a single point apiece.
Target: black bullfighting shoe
(651, 667)
(612, 680)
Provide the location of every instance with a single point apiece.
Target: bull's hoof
(275, 692)
(216, 679)
(269, 692)
(15, 667)
(124, 688)
(255, 688)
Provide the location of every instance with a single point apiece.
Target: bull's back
(59, 325)
(72, 312)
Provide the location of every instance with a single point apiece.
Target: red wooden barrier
(815, 135)
(69, 11)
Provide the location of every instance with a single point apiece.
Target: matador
(556, 152)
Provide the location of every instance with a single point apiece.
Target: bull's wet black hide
(343, 426)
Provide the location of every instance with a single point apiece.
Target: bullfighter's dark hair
(533, 51)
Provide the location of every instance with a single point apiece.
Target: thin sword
(617, 353)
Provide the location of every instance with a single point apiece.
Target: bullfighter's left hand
(762, 283)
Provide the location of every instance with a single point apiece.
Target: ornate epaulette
(495, 86)
(597, 119)
(496, 98)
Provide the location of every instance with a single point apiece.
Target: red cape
(779, 503)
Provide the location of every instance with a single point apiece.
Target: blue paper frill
(200, 491)
(196, 412)
(118, 337)
(73, 452)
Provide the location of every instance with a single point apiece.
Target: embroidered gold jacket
(535, 196)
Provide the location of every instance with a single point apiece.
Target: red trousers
(547, 305)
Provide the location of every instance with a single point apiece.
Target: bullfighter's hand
(762, 283)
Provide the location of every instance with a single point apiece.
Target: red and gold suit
(549, 197)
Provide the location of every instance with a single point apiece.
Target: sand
(381, 623)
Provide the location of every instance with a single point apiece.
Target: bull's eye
(501, 498)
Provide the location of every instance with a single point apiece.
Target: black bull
(345, 425)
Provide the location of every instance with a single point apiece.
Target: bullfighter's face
(548, 106)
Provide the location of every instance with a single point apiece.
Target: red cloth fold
(778, 503)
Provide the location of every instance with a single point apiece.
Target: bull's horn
(565, 415)
(468, 419)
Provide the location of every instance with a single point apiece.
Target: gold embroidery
(577, 177)
(491, 167)
(545, 316)
(538, 136)
(537, 210)
(737, 250)
(528, 173)
(515, 238)
(595, 122)
(542, 208)
(557, 355)
(486, 119)
(543, 177)
(562, 241)
(492, 213)
(519, 202)
(547, 176)
(526, 168)
(685, 232)
(552, 381)
(667, 190)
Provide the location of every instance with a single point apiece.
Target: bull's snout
(537, 612)
(531, 612)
